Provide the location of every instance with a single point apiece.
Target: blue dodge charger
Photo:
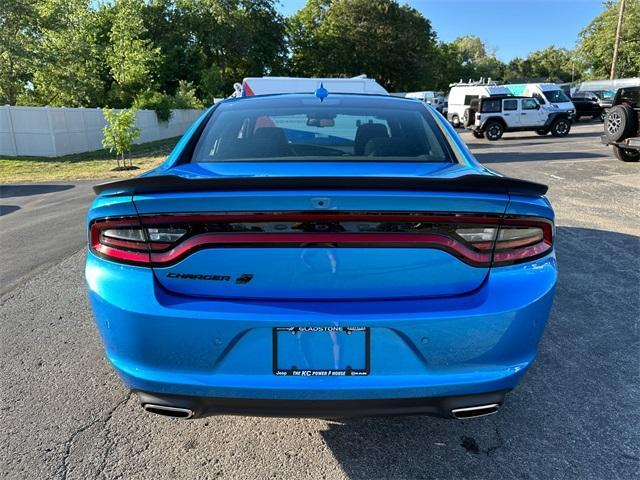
(321, 256)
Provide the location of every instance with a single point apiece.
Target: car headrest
(394, 147)
(366, 132)
(272, 133)
(265, 142)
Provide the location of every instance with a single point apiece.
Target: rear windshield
(556, 96)
(630, 96)
(333, 130)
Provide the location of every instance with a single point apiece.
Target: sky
(513, 28)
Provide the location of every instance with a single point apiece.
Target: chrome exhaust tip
(474, 412)
(174, 412)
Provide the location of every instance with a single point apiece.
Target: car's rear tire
(542, 131)
(477, 134)
(598, 116)
(626, 155)
(455, 121)
(603, 115)
(493, 130)
(560, 127)
(621, 123)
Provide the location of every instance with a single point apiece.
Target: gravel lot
(65, 414)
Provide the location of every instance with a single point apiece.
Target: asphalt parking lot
(65, 414)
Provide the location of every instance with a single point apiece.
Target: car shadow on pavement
(10, 191)
(7, 209)
(573, 134)
(508, 157)
(574, 415)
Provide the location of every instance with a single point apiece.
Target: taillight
(126, 241)
(475, 239)
(478, 116)
(522, 240)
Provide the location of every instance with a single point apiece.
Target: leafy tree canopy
(166, 53)
(595, 49)
(394, 44)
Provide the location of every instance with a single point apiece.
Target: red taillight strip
(148, 254)
(527, 253)
(371, 240)
(125, 255)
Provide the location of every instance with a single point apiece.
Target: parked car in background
(493, 116)
(321, 255)
(587, 105)
(605, 89)
(462, 94)
(546, 94)
(622, 125)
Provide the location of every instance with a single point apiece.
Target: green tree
(212, 84)
(304, 40)
(551, 64)
(69, 58)
(119, 134)
(19, 26)
(161, 103)
(392, 43)
(185, 97)
(131, 56)
(595, 47)
(472, 60)
(240, 37)
(180, 57)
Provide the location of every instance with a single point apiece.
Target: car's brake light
(520, 240)
(125, 239)
(475, 239)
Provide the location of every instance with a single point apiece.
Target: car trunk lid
(320, 243)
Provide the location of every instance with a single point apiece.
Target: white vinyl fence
(53, 132)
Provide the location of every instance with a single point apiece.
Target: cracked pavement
(65, 415)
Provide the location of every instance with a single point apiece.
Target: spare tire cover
(620, 123)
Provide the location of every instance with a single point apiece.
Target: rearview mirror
(320, 122)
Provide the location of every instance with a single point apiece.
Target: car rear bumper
(470, 344)
(182, 406)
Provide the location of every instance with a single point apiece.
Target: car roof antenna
(322, 92)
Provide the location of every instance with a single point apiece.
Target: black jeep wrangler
(622, 125)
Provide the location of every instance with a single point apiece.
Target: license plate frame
(310, 372)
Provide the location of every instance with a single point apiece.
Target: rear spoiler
(466, 183)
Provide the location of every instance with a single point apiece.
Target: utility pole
(616, 45)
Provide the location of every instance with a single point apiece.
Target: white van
(435, 99)
(462, 94)
(269, 85)
(426, 96)
(546, 94)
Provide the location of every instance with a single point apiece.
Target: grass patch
(83, 166)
